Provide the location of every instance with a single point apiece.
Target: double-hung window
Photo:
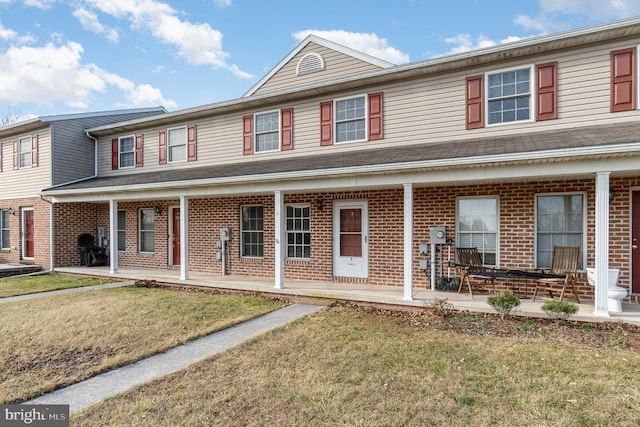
(177, 142)
(122, 231)
(147, 230)
(252, 231)
(509, 96)
(298, 232)
(477, 226)
(25, 152)
(560, 221)
(126, 151)
(5, 241)
(267, 132)
(350, 119)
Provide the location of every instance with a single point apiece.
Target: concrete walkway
(100, 387)
(64, 291)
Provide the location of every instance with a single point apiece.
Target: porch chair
(564, 264)
(469, 262)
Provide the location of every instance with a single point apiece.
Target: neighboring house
(336, 166)
(40, 153)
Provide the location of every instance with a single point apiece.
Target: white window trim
(132, 151)
(242, 232)
(29, 151)
(4, 227)
(366, 118)
(125, 231)
(140, 231)
(255, 131)
(498, 229)
(186, 137)
(584, 223)
(286, 231)
(532, 95)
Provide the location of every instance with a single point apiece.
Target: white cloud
(40, 4)
(7, 34)
(89, 21)
(368, 43)
(464, 42)
(55, 73)
(198, 44)
(222, 3)
(554, 14)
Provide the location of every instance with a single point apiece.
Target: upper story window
(147, 227)
(177, 142)
(477, 226)
(267, 132)
(509, 96)
(350, 119)
(25, 152)
(5, 231)
(560, 221)
(358, 118)
(126, 151)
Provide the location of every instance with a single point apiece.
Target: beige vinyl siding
(419, 111)
(26, 182)
(337, 65)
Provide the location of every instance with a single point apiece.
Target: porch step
(7, 270)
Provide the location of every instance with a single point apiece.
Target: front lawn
(347, 366)
(10, 287)
(54, 341)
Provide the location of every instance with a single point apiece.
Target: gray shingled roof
(590, 136)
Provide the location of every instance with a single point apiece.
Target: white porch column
(184, 238)
(113, 236)
(408, 242)
(279, 241)
(602, 244)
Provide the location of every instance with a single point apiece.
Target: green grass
(53, 341)
(343, 366)
(10, 287)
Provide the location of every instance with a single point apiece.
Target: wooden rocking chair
(469, 262)
(564, 264)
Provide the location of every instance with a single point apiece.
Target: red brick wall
(41, 216)
(432, 207)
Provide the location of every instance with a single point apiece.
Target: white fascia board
(528, 165)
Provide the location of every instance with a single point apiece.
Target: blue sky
(68, 56)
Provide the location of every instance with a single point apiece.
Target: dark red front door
(635, 242)
(175, 231)
(28, 234)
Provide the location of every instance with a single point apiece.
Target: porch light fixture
(612, 194)
(11, 211)
(319, 204)
(158, 210)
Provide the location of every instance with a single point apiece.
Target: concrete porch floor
(388, 295)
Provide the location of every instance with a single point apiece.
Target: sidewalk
(64, 291)
(100, 387)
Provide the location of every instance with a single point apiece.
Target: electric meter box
(225, 234)
(438, 235)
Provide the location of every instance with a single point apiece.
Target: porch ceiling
(512, 157)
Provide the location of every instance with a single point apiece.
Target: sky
(74, 56)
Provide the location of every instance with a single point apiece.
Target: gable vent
(310, 63)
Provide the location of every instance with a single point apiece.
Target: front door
(635, 242)
(175, 236)
(350, 239)
(28, 228)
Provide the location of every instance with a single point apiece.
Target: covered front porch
(392, 296)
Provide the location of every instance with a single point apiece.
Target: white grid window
(509, 96)
(252, 231)
(5, 241)
(559, 222)
(177, 142)
(477, 226)
(298, 232)
(24, 150)
(122, 231)
(147, 230)
(350, 120)
(126, 151)
(267, 128)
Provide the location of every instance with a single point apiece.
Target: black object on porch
(90, 254)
